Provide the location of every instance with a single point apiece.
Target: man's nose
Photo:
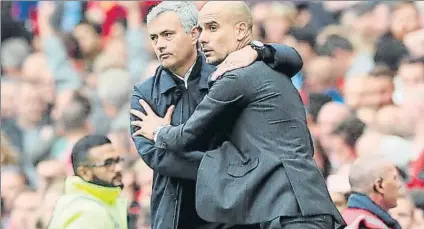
(203, 37)
(161, 44)
(118, 167)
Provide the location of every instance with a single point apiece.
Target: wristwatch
(259, 47)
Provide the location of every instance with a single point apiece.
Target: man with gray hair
(375, 183)
(181, 82)
(14, 51)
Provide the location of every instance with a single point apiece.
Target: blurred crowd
(68, 69)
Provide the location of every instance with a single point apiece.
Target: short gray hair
(186, 11)
(365, 170)
(114, 86)
(14, 51)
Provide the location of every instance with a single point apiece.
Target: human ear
(194, 34)
(84, 173)
(241, 31)
(378, 186)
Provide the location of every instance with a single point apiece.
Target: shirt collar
(186, 76)
(164, 78)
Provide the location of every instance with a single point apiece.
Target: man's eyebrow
(162, 32)
(167, 31)
(112, 158)
(210, 22)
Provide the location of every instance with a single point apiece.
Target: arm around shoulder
(283, 58)
(225, 94)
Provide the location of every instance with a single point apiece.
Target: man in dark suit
(181, 80)
(267, 174)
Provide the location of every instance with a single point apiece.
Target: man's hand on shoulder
(235, 60)
(148, 122)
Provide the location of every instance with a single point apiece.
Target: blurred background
(68, 69)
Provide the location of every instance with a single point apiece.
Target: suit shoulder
(146, 85)
(144, 90)
(255, 67)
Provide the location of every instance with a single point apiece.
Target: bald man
(267, 175)
(375, 184)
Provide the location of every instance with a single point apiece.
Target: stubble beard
(215, 62)
(97, 181)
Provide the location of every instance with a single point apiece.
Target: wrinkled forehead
(103, 152)
(213, 13)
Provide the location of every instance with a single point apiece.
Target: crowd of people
(75, 64)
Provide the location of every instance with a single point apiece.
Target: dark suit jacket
(268, 171)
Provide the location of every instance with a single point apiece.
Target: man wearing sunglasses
(91, 197)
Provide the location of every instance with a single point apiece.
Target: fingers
(137, 133)
(146, 107)
(138, 114)
(141, 133)
(168, 115)
(226, 67)
(216, 75)
(238, 64)
(137, 123)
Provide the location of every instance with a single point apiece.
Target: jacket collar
(361, 201)
(76, 185)
(165, 78)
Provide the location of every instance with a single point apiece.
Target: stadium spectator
(375, 185)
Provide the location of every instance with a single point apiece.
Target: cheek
(184, 46)
(223, 43)
(156, 51)
(393, 188)
(102, 175)
(177, 46)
